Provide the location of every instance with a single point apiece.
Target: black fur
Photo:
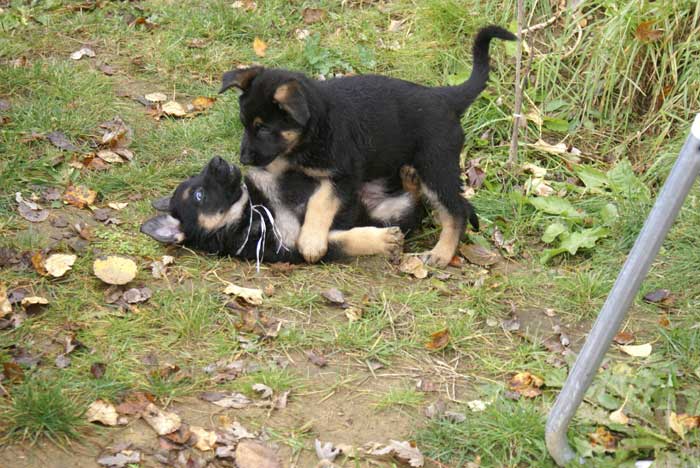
(363, 128)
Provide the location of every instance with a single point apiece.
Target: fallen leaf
(317, 359)
(156, 97)
(405, 452)
(161, 421)
(79, 196)
(34, 300)
(239, 432)
(259, 47)
(624, 338)
(263, 390)
(354, 313)
(159, 267)
(227, 399)
(58, 264)
(570, 153)
(414, 266)
(82, 52)
(103, 412)
(109, 156)
(643, 350)
(248, 5)
(538, 186)
(198, 43)
(251, 454)
(136, 295)
(619, 417)
(120, 459)
(603, 438)
(396, 25)
(477, 405)
(646, 33)
(334, 296)
(12, 371)
(107, 69)
(326, 451)
(535, 170)
(62, 361)
(114, 269)
(135, 403)
(438, 340)
(251, 296)
(435, 409)
(455, 416)
(60, 141)
(30, 211)
(118, 206)
(526, 384)
(657, 296)
(5, 304)
(301, 34)
(116, 135)
(205, 439)
(174, 108)
(475, 174)
(313, 15)
(479, 255)
(280, 402)
(98, 369)
(203, 102)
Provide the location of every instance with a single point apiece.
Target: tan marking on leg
(411, 181)
(186, 193)
(257, 121)
(320, 211)
(368, 241)
(450, 235)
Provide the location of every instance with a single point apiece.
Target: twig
(512, 158)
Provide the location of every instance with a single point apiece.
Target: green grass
(612, 95)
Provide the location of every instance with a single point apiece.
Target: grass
(617, 80)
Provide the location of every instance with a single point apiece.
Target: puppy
(259, 217)
(352, 130)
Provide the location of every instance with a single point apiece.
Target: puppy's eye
(198, 195)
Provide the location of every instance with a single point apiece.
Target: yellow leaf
(205, 439)
(79, 196)
(203, 102)
(259, 46)
(156, 97)
(114, 269)
(526, 384)
(109, 156)
(619, 417)
(118, 205)
(33, 300)
(438, 340)
(103, 412)
(58, 264)
(251, 296)
(5, 306)
(174, 108)
(642, 350)
(414, 266)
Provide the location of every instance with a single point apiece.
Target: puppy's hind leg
(368, 241)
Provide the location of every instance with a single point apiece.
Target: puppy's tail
(463, 95)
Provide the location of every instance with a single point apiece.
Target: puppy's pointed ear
(164, 228)
(239, 78)
(162, 204)
(290, 97)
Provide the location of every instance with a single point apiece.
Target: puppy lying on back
(258, 217)
(356, 129)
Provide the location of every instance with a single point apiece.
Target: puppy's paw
(312, 246)
(437, 257)
(392, 241)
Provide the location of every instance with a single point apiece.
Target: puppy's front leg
(320, 212)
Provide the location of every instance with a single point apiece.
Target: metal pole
(635, 269)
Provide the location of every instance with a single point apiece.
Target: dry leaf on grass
(354, 313)
(313, 15)
(249, 295)
(414, 266)
(201, 103)
(29, 210)
(205, 439)
(135, 403)
(156, 97)
(251, 454)
(116, 135)
(33, 300)
(263, 390)
(5, 304)
(405, 452)
(624, 338)
(118, 206)
(568, 152)
(227, 399)
(317, 359)
(326, 451)
(479, 255)
(79, 196)
(645, 32)
(173, 108)
(114, 269)
(103, 412)
(98, 369)
(259, 47)
(682, 423)
(658, 296)
(603, 438)
(438, 340)
(109, 156)
(535, 170)
(334, 296)
(643, 350)
(58, 264)
(159, 267)
(477, 405)
(619, 417)
(526, 384)
(162, 422)
(120, 459)
(82, 52)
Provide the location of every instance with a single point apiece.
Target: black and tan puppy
(258, 217)
(356, 129)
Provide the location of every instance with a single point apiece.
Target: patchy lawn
(463, 365)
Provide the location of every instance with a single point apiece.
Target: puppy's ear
(164, 228)
(290, 97)
(161, 204)
(239, 78)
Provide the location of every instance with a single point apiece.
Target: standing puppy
(360, 128)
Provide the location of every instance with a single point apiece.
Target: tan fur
(445, 249)
(257, 121)
(320, 211)
(212, 222)
(186, 193)
(369, 241)
(282, 93)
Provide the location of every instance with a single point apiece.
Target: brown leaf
(405, 452)
(313, 15)
(249, 295)
(526, 384)
(135, 403)
(603, 438)
(61, 141)
(438, 340)
(79, 196)
(624, 338)
(107, 69)
(251, 454)
(12, 371)
(646, 33)
(283, 267)
(205, 439)
(29, 210)
(475, 174)
(479, 255)
(162, 422)
(317, 359)
(97, 369)
(38, 263)
(5, 304)
(334, 296)
(413, 266)
(116, 134)
(227, 399)
(259, 47)
(203, 102)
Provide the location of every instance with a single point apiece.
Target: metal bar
(635, 269)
